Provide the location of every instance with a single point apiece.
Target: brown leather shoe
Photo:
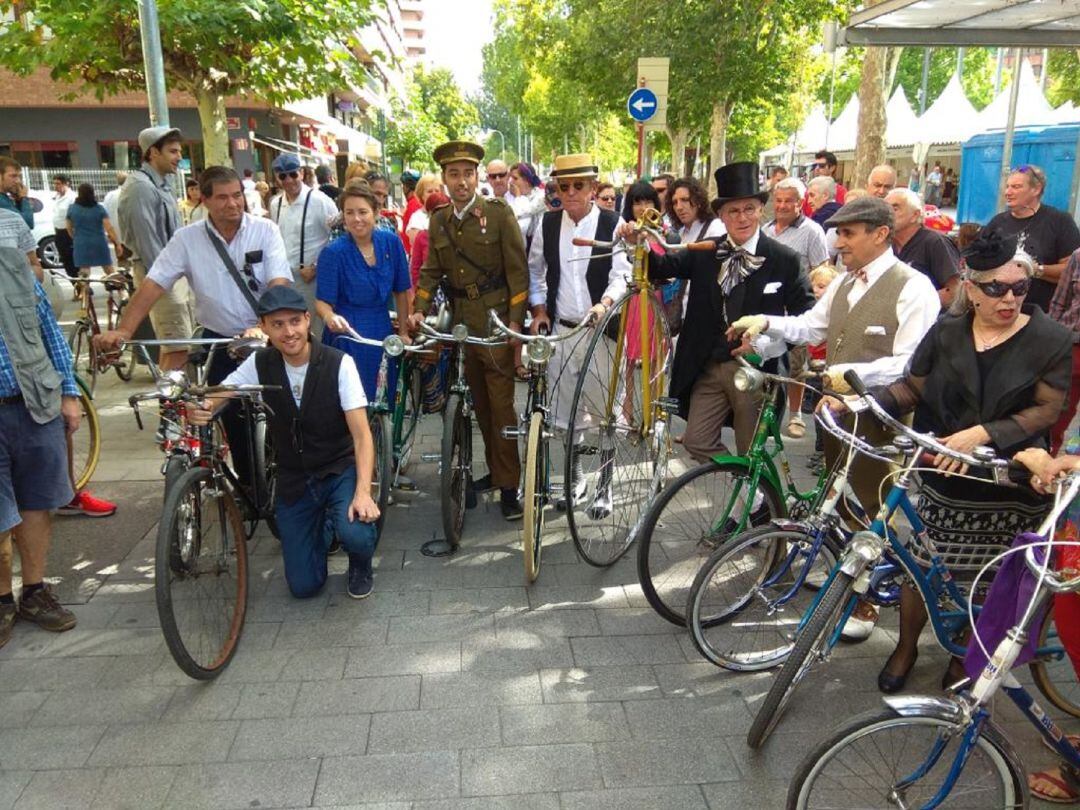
(42, 609)
(8, 614)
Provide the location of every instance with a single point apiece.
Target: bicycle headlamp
(393, 345)
(748, 380)
(460, 333)
(171, 384)
(539, 351)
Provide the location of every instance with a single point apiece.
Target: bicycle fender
(765, 470)
(924, 706)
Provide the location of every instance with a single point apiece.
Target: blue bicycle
(922, 752)
(871, 566)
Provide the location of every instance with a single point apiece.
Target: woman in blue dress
(89, 225)
(356, 275)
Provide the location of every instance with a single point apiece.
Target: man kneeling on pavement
(322, 442)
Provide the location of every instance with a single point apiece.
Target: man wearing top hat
(748, 273)
(477, 253)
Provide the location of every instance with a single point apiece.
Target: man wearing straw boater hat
(567, 282)
(478, 255)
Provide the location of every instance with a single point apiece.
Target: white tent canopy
(903, 125)
(951, 118)
(1032, 108)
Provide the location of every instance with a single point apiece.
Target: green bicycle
(717, 500)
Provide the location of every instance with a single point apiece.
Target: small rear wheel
(384, 463)
(1054, 673)
(456, 464)
(265, 473)
(535, 495)
(125, 365)
(86, 441)
(83, 355)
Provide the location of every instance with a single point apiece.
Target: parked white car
(44, 234)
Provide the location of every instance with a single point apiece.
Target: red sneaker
(86, 504)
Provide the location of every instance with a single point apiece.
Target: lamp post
(502, 140)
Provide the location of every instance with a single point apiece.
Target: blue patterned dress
(361, 293)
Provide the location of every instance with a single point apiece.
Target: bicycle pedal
(669, 405)
(429, 457)
(512, 433)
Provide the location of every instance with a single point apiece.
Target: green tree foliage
(277, 50)
(441, 100)
(1063, 77)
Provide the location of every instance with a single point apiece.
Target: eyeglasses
(745, 211)
(497, 175)
(820, 165)
(998, 289)
(283, 175)
(606, 198)
(578, 185)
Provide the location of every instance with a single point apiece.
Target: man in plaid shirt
(1065, 309)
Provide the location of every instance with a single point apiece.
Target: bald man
(498, 177)
(882, 180)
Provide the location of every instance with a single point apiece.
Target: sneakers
(86, 504)
(42, 609)
(510, 504)
(481, 485)
(861, 623)
(8, 614)
(360, 579)
(796, 427)
(335, 547)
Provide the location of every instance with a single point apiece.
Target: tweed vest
(865, 332)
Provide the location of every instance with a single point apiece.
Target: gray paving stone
(563, 723)
(125, 617)
(521, 651)
(46, 675)
(358, 696)
(444, 627)
(135, 788)
(580, 684)
(12, 783)
(83, 642)
(528, 769)
(576, 597)
(266, 700)
(689, 718)
(56, 747)
(432, 730)
(634, 621)
(323, 633)
(256, 666)
(314, 665)
(673, 797)
(548, 624)
(298, 737)
(388, 777)
(57, 790)
(220, 786)
(404, 659)
(487, 600)
(674, 762)
(138, 704)
(626, 650)
(16, 708)
(171, 744)
(140, 670)
(531, 801)
(382, 602)
(704, 679)
(756, 793)
(781, 754)
(202, 701)
(479, 688)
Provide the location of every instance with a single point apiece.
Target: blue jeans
(309, 524)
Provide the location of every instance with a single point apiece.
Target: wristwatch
(1039, 270)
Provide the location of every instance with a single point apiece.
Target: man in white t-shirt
(322, 445)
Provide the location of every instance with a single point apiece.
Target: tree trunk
(717, 141)
(678, 139)
(870, 143)
(215, 132)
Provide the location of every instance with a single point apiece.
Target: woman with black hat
(994, 374)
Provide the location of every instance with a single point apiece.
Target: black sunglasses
(998, 289)
(249, 274)
(497, 175)
(283, 175)
(577, 184)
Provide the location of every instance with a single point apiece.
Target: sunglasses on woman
(578, 185)
(998, 289)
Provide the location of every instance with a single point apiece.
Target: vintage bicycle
(87, 359)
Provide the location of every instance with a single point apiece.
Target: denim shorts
(33, 465)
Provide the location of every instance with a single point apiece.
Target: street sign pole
(153, 63)
(640, 148)
(647, 104)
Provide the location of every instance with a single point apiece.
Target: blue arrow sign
(641, 104)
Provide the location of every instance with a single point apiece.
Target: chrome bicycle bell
(748, 380)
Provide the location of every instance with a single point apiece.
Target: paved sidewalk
(454, 687)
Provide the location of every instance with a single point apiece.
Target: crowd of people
(978, 338)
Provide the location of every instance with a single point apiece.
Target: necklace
(988, 344)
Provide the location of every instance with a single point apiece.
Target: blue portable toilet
(1051, 148)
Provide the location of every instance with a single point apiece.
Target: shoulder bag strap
(461, 253)
(226, 259)
(303, 223)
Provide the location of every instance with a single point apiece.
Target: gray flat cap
(872, 211)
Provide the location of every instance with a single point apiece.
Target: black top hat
(738, 181)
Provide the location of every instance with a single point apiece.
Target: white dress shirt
(60, 205)
(573, 299)
(111, 203)
(219, 304)
(290, 215)
(917, 308)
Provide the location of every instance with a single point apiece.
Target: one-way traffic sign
(641, 104)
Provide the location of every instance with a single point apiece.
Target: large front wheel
(882, 760)
(535, 495)
(200, 574)
(616, 435)
(693, 516)
(86, 441)
(456, 463)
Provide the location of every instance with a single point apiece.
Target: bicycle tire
(535, 496)
(125, 367)
(454, 468)
(84, 462)
(193, 566)
(668, 592)
(992, 750)
(1055, 679)
(381, 476)
(407, 413)
(82, 350)
(766, 626)
(265, 473)
(821, 622)
(625, 480)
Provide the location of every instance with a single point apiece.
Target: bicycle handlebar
(393, 345)
(460, 334)
(527, 338)
(1066, 491)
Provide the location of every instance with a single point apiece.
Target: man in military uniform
(476, 251)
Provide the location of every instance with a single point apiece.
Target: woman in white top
(419, 221)
(528, 202)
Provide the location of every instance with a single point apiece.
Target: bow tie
(859, 274)
(736, 264)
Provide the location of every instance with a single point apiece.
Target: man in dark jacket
(748, 273)
(322, 442)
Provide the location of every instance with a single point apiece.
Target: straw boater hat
(580, 165)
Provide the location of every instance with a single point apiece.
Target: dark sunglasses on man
(579, 185)
(283, 175)
(497, 175)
